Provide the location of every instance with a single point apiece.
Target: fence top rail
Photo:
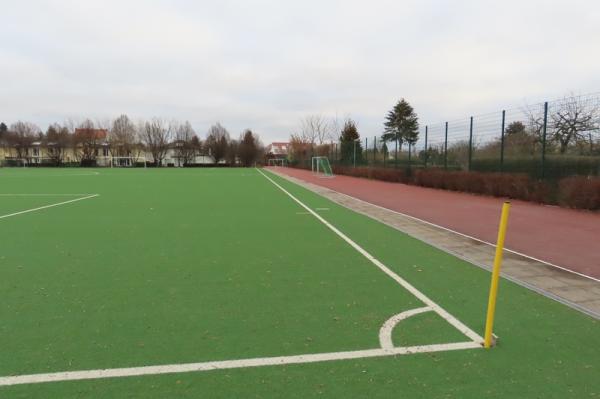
(525, 108)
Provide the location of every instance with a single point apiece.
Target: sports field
(224, 283)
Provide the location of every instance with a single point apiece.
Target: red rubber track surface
(564, 237)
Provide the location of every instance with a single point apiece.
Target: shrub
(556, 166)
(574, 192)
(580, 192)
(518, 186)
(383, 174)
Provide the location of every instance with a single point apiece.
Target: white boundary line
(229, 364)
(422, 297)
(515, 280)
(385, 333)
(44, 195)
(48, 206)
(459, 233)
(387, 348)
(53, 175)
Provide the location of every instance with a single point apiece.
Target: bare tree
(217, 141)
(58, 139)
(21, 136)
(231, 155)
(186, 147)
(315, 129)
(573, 120)
(123, 138)
(87, 140)
(156, 136)
(535, 122)
(299, 148)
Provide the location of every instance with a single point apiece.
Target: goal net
(320, 166)
(127, 162)
(277, 162)
(12, 161)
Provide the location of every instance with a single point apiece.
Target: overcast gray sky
(265, 64)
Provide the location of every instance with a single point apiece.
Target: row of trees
(571, 126)
(122, 137)
(572, 123)
(316, 135)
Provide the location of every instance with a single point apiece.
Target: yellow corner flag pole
(489, 323)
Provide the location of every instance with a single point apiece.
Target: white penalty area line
(476, 338)
(229, 364)
(48, 206)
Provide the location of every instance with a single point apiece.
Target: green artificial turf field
(123, 268)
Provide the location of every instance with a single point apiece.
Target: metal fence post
(366, 149)
(502, 142)
(426, 149)
(334, 152)
(396, 155)
(544, 139)
(446, 148)
(470, 144)
(374, 150)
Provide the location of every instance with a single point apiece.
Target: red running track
(564, 237)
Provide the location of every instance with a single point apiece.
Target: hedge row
(580, 192)
(554, 168)
(384, 174)
(573, 192)
(517, 186)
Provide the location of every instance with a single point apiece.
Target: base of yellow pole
(494, 341)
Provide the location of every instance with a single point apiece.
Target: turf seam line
(409, 287)
(48, 206)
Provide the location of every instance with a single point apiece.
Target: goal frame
(14, 162)
(133, 161)
(316, 166)
(274, 161)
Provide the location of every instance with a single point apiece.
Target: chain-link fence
(546, 140)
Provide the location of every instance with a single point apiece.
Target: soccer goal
(14, 162)
(127, 162)
(277, 162)
(42, 161)
(320, 166)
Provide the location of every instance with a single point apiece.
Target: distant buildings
(92, 147)
(277, 150)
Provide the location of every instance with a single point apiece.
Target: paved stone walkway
(571, 289)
